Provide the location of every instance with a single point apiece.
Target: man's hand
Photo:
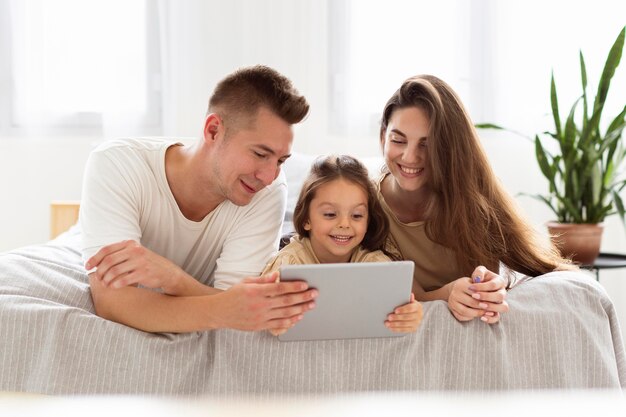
(262, 303)
(129, 263)
(254, 304)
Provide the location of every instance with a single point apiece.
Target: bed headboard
(63, 215)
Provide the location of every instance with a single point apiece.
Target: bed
(561, 333)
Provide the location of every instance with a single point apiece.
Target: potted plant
(585, 175)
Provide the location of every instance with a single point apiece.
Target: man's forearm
(152, 311)
(189, 286)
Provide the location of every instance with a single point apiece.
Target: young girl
(448, 212)
(338, 218)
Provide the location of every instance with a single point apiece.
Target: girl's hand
(278, 332)
(406, 318)
(481, 296)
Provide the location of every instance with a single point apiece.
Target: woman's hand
(482, 296)
(406, 318)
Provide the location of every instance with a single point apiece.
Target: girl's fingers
(403, 329)
(404, 318)
(411, 307)
(278, 332)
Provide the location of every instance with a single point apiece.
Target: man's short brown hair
(239, 96)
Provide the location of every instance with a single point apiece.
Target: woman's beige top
(435, 265)
(300, 252)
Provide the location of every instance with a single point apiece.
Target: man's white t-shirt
(126, 196)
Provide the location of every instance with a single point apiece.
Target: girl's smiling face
(337, 220)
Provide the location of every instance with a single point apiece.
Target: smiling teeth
(411, 170)
(342, 238)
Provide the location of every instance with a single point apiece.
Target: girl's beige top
(300, 252)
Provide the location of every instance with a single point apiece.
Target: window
(77, 65)
(374, 46)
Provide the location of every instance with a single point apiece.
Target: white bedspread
(561, 333)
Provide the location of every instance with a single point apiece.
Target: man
(197, 222)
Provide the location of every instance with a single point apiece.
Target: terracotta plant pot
(580, 242)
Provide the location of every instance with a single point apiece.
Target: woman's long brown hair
(469, 212)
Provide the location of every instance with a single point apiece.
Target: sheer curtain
(375, 46)
(204, 40)
(83, 66)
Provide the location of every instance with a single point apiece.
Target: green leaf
(583, 77)
(542, 159)
(611, 141)
(555, 106)
(617, 123)
(612, 61)
(544, 200)
(588, 173)
(572, 211)
(488, 126)
(569, 137)
(619, 205)
(596, 183)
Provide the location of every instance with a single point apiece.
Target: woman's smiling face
(405, 147)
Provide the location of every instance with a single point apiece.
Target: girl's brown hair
(333, 167)
(469, 212)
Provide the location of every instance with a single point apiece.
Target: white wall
(34, 172)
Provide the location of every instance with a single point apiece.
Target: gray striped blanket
(561, 333)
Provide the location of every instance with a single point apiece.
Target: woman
(447, 211)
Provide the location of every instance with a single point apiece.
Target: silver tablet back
(354, 298)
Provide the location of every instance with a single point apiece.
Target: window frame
(80, 124)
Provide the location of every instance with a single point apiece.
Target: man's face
(248, 159)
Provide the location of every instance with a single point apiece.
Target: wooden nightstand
(63, 215)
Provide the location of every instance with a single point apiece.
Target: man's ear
(212, 126)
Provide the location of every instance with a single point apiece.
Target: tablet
(354, 298)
